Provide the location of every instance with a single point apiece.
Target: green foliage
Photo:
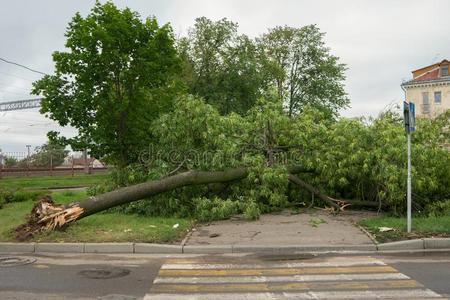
(115, 79)
(422, 227)
(7, 196)
(251, 211)
(50, 153)
(315, 222)
(346, 158)
(231, 71)
(215, 208)
(302, 69)
(221, 66)
(441, 208)
(10, 161)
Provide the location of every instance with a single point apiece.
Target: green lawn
(421, 227)
(47, 182)
(102, 227)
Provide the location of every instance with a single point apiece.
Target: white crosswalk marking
(294, 278)
(339, 295)
(324, 278)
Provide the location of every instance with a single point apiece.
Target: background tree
(10, 161)
(114, 80)
(50, 153)
(222, 66)
(303, 70)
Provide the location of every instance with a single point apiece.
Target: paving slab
(318, 228)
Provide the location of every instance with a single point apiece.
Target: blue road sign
(409, 116)
(412, 117)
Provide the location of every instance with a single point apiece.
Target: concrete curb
(441, 244)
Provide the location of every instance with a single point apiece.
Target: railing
(28, 164)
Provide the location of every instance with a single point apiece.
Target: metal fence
(48, 163)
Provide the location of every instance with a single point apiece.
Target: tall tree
(221, 66)
(112, 82)
(303, 70)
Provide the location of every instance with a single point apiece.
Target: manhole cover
(104, 273)
(15, 261)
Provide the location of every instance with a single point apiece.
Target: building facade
(429, 89)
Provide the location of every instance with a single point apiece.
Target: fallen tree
(46, 215)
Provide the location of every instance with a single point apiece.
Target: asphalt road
(222, 276)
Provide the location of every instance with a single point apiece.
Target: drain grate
(104, 273)
(15, 261)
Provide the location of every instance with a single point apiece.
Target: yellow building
(429, 89)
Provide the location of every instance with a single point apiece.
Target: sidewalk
(317, 228)
(281, 233)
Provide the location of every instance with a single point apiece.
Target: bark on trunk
(129, 194)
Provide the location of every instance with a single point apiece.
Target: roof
(433, 65)
(428, 74)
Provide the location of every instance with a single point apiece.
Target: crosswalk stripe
(410, 294)
(274, 287)
(294, 278)
(325, 278)
(275, 271)
(190, 266)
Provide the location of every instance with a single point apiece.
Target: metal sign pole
(409, 114)
(408, 192)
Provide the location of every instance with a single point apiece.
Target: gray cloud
(380, 41)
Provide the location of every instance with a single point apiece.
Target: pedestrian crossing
(320, 278)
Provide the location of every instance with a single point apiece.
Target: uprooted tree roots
(46, 215)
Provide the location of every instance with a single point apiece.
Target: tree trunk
(129, 194)
(301, 183)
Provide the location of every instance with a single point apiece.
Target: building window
(437, 97)
(425, 103)
(425, 99)
(444, 70)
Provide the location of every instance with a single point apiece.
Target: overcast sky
(380, 41)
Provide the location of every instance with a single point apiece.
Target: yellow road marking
(273, 287)
(276, 271)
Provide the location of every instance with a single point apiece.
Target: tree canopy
(231, 71)
(114, 80)
(303, 70)
(222, 66)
